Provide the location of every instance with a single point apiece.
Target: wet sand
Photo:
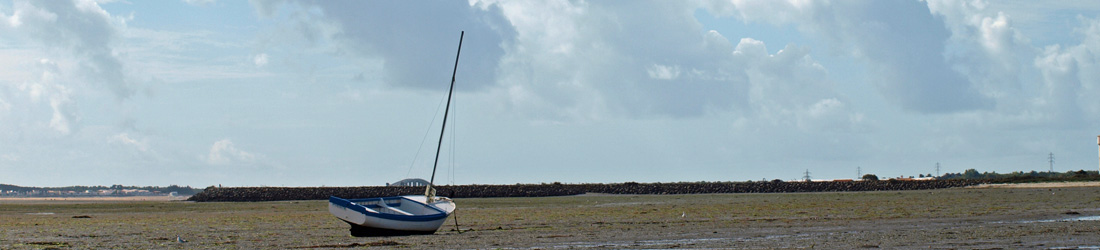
(960, 218)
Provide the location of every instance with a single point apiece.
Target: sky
(351, 93)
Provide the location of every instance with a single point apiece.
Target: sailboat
(400, 215)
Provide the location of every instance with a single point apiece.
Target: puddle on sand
(47, 213)
(1079, 218)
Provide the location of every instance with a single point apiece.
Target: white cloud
(352, 94)
(265, 8)
(126, 139)
(831, 115)
(567, 60)
(1071, 80)
(824, 107)
(907, 67)
(58, 96)
(937, 56)
(185, 56)
(9, 157)
(60, 121)
(663, 72)
(5, 106)
(986, 48)
(200, 2)
(83, 32)
(260, 60)
(589, 60)
(420, 39)
(17, 63)
(223, 152)
(72, 43)
(1031, 86)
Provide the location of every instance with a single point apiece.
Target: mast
(430, 192)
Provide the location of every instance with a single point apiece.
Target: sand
(961, 218)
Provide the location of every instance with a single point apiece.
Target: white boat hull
(399, 215)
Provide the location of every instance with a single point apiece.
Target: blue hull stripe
(361, 209)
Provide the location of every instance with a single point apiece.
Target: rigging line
(425, 139)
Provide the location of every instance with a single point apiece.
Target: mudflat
(1055, 217)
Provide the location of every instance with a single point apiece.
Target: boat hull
(387, 216)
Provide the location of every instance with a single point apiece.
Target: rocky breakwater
(540, 190)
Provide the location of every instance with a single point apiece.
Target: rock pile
(540, 190)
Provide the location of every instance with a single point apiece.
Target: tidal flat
(958, 218)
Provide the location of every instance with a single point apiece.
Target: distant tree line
(1013, 177)
(1023, 177)
(182, 190)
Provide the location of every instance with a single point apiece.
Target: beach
(1049, 217)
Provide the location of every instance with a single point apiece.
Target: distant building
(411, 182)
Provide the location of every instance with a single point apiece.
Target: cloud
(648, 59)
(986, 48)
(588, 60)
(663, 72)
(125, 139)
(81, 31)
(60, 121)
(55, 94)
(223, 152)
(9, 157)
(1030, 85)
(200, 2)
(352, 94)
(565, 60)
(5, 106)
(901, 42)
(1071, 79)
(72, 46)
(266, 9)
(260, 60)
(553, 60)
(416, 41)
(188, 56)
(791, 91)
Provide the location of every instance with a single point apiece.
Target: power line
(937, 169)
(807, 176)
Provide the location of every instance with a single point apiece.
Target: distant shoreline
(99, 198)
